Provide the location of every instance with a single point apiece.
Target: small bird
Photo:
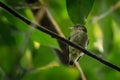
(78, 36)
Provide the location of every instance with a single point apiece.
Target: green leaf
(107, 28)
(78, 10)
(43, 56)
(93, 64)
(55, 73)
(8, 58)
(106, 25)
(8, 47)
(44, 39)
(116, 16)
(12, 20)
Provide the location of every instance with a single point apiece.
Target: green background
(27, 54)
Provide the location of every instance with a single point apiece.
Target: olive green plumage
(78, 36)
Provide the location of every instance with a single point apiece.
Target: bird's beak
(71, 28)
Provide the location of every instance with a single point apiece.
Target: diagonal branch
(54, 35)
(101, 16)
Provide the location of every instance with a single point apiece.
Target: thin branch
(113, 8)
(54, 35)
(80, 69)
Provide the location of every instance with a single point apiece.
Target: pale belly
(81, 39)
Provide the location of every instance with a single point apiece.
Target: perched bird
(78, 36)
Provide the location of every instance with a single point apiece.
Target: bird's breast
(79, 37)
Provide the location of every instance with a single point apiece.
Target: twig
(80, 69)
(113, 8)
(54, 35)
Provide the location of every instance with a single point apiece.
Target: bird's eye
(84, 29)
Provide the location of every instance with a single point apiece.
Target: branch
(101, 16)
(54, 35)
(81, 71)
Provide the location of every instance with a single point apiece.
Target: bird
(78, 36)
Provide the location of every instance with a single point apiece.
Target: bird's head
(79, 27)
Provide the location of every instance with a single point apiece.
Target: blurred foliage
(78, 10)
(53, 74)
(28, 54)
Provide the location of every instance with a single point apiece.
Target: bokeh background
(29, 54)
